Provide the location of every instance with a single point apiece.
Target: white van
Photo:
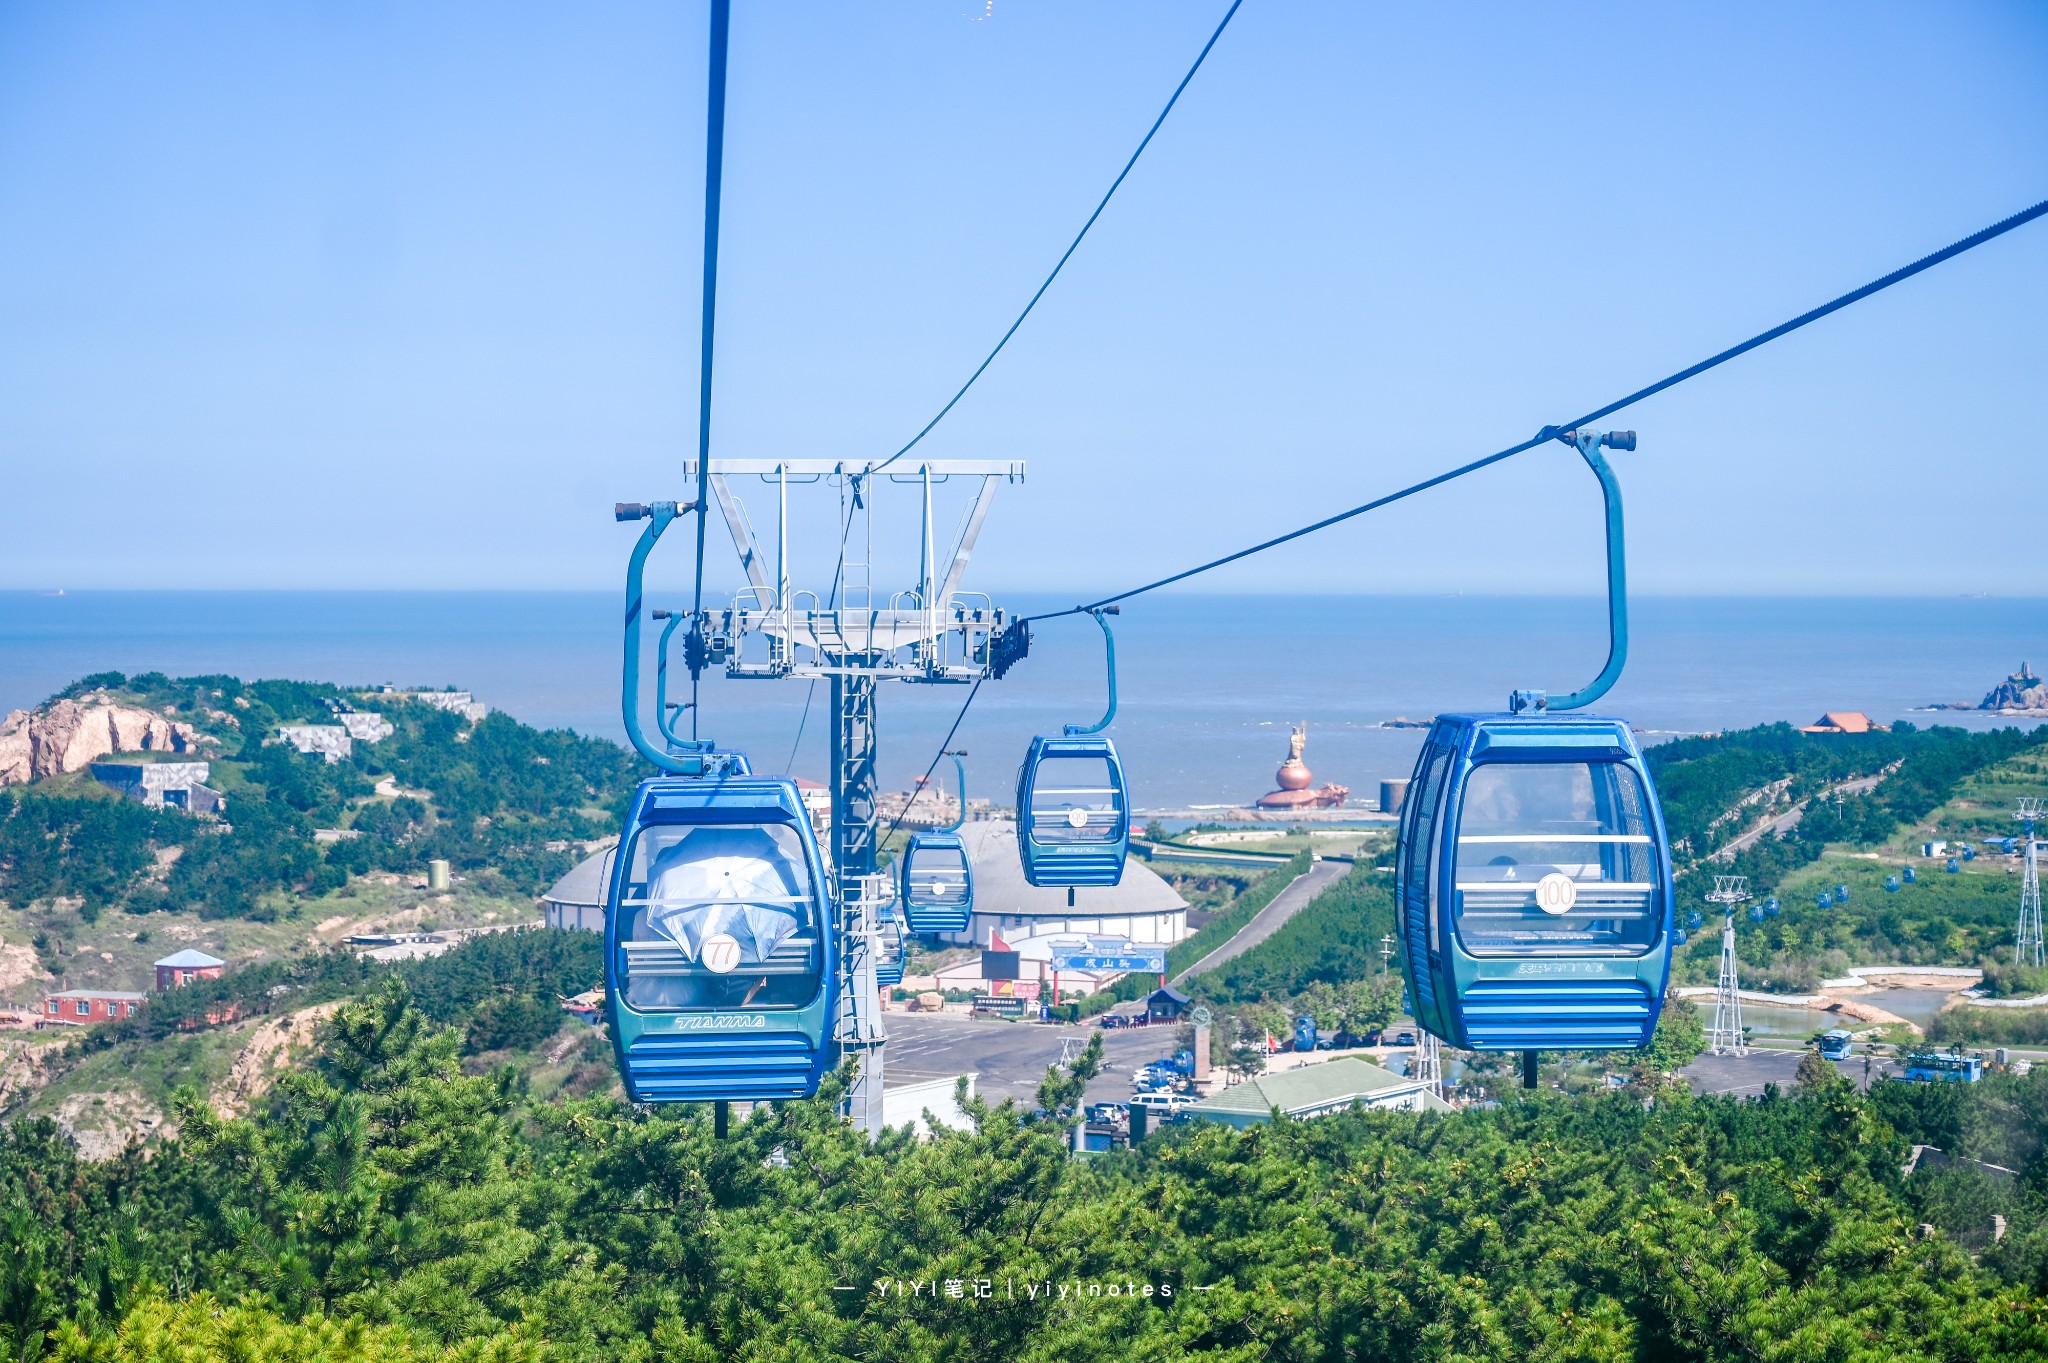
(1162, 1104)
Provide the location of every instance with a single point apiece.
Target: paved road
(1011, 1057)
(1789, 820)
(1270, 919)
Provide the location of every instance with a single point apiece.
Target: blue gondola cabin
(719, 944)
(1534, 885)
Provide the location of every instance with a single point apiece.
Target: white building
(1142, 908)
(330, 741)
(906, 1104)
(1030, 919)
(576, 901)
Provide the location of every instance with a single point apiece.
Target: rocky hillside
(68, 735)
(309, 847)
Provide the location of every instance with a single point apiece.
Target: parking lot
(1745, 1076)
(1011, 1058)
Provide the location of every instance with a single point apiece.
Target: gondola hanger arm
(1109, 651)
(1589, 445)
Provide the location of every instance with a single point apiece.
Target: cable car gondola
(1534, 875)
(1073, 804)
(937, 885)
(719, 947)
(889, 947)
(1534, 885)
(721, 955)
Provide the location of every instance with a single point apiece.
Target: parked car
(1111, 1114)
(1404, 1039)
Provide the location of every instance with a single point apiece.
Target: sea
(1207, 685)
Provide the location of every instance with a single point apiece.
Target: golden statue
(1293, 774)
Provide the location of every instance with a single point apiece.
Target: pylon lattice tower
(1429, 1061)
(855, 636)
(1725, 1036)
(2027, 946)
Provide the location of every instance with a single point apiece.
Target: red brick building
(79, 1007)
(181, 968)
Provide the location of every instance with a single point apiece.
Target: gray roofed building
(1166, 1003)
(191, 960)
(181, 968)
(1141, 908)
(1317, 1091)
(576, 901)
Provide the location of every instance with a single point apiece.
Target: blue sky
(387, 295)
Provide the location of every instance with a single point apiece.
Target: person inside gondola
(725, 919)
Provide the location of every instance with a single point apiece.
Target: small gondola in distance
(1073, 801)
(936, 879)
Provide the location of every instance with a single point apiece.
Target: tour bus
(1933, 1067)
(1837, 1045)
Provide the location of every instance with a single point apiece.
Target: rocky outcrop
(269, 1048)
(102, 1125)
(2021, 691)
(70, 735)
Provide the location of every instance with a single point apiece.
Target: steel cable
(714, 174)
(1549, 433)
(1175, 98)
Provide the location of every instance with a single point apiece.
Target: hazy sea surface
(1207, 684)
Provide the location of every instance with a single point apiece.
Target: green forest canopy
(392, 1205)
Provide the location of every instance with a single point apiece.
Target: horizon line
(1634, 595)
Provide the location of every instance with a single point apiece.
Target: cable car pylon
(1726, 1036)
(2027, 947)
(932, 633)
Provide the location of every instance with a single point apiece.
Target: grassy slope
(112, 954)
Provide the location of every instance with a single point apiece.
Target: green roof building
(1316, 1091)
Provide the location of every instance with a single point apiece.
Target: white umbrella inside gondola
(734, 881)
